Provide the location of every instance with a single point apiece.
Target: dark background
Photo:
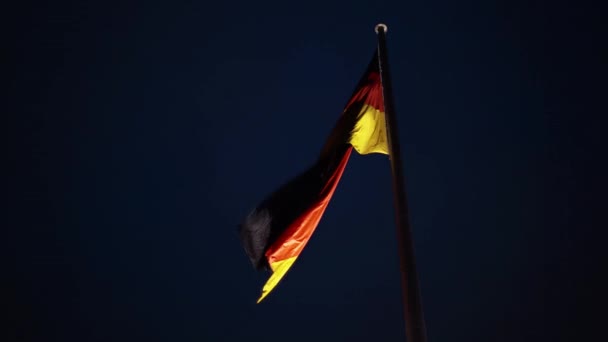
(140, 134)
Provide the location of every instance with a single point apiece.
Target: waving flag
(277, 230)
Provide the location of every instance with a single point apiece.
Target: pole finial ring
(379, 26)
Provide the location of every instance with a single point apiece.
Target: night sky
(140, 135)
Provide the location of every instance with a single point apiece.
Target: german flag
(276, 231)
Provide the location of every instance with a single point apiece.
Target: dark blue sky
(141, 134)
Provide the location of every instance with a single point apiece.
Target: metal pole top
(381, 25)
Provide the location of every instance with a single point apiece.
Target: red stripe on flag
(292, 241)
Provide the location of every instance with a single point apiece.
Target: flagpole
(415, 329)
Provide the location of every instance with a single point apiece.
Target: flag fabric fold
(277, 230)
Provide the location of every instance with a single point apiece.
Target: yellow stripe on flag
(369, 134)
(279, 269)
